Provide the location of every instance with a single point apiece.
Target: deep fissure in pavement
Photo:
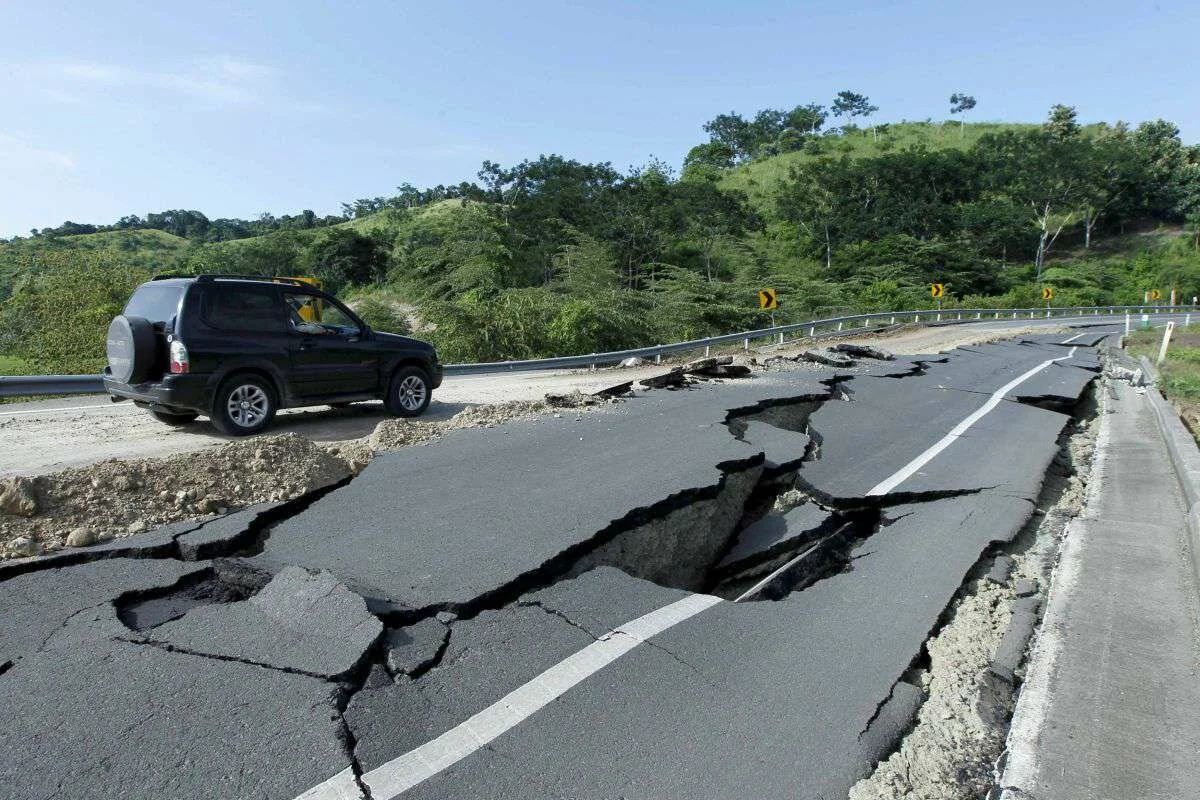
(226, 581)
(919, 763)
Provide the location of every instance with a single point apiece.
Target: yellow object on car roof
(310, 309)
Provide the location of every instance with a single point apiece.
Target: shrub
(57, 318)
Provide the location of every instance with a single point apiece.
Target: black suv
(237, 349)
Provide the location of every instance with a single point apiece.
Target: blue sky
(235, 109)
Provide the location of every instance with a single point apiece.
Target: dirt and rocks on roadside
(116, 498)
(951, 751)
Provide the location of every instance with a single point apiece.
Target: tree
(1062, 123)
(961, 103)
(732, 131)
(1112, 173)
(851, 104)
(807, 118)
(1040, 169)
(706, 161)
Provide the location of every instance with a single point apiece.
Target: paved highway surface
(546, 609)
(49, 435)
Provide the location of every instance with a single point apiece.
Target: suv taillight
(179, 358)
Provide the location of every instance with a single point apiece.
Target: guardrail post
(893, 322)
(839, 326)
(866, 323)
(916, 318)
(812, 331)
(959, 315)
(746, 344)
(1126, 323)
(781, 337)
(1187, 320)
(658, 358)
(939, 317)
(706, 350)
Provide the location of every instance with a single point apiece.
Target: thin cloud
(223, 80)
(17, 152)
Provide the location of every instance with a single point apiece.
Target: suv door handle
(307, 345)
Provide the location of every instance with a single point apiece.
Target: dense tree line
(555, 256)
(196, 226)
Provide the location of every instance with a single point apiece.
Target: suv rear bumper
(438, 374)
(191, 392)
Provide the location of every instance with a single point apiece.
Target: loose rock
(17, 497)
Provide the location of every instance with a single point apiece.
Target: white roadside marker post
(1126, 323)
(1162, 351)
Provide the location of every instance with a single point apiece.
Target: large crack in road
(464, 596)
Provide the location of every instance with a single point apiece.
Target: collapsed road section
(535, 610)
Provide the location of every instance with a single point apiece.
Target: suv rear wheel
(408, 393)
(243, 405)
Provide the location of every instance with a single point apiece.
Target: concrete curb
(1185, 457)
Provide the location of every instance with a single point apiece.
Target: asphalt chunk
(299, 622)
(414, 648)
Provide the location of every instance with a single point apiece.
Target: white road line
(911, 467)
(406, 771)
(1073, 338)
(342, 786)
(58, 410)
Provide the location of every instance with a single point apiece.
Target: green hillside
(759, 178)
(553, 256)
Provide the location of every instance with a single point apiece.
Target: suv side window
(242, 308)
(309, 314)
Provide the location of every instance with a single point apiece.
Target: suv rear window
(157, 302)
(241, 308)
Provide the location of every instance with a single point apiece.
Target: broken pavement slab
(298, 622)
(414, 648)
(827, 357)
(776, 534)
(115, 719)
(863, 351)
(538, 496)
(157, 543)
(38, 606)
(224, 534)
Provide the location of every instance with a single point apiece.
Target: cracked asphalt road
(536, 610)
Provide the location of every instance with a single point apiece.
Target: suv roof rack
(220, 276)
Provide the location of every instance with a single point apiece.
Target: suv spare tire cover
(130, 349)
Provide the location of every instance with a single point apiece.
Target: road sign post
(1162, 351)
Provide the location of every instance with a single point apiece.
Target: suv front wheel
(408, 393)
(243, 405)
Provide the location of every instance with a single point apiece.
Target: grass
(1179, 377)
(11, 365)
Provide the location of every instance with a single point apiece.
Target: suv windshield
(157, 302)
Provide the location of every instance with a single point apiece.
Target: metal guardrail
(26, 385)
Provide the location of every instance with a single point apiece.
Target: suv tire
(130, 349)
(408, 392)
(174, 419)
(244, 404)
